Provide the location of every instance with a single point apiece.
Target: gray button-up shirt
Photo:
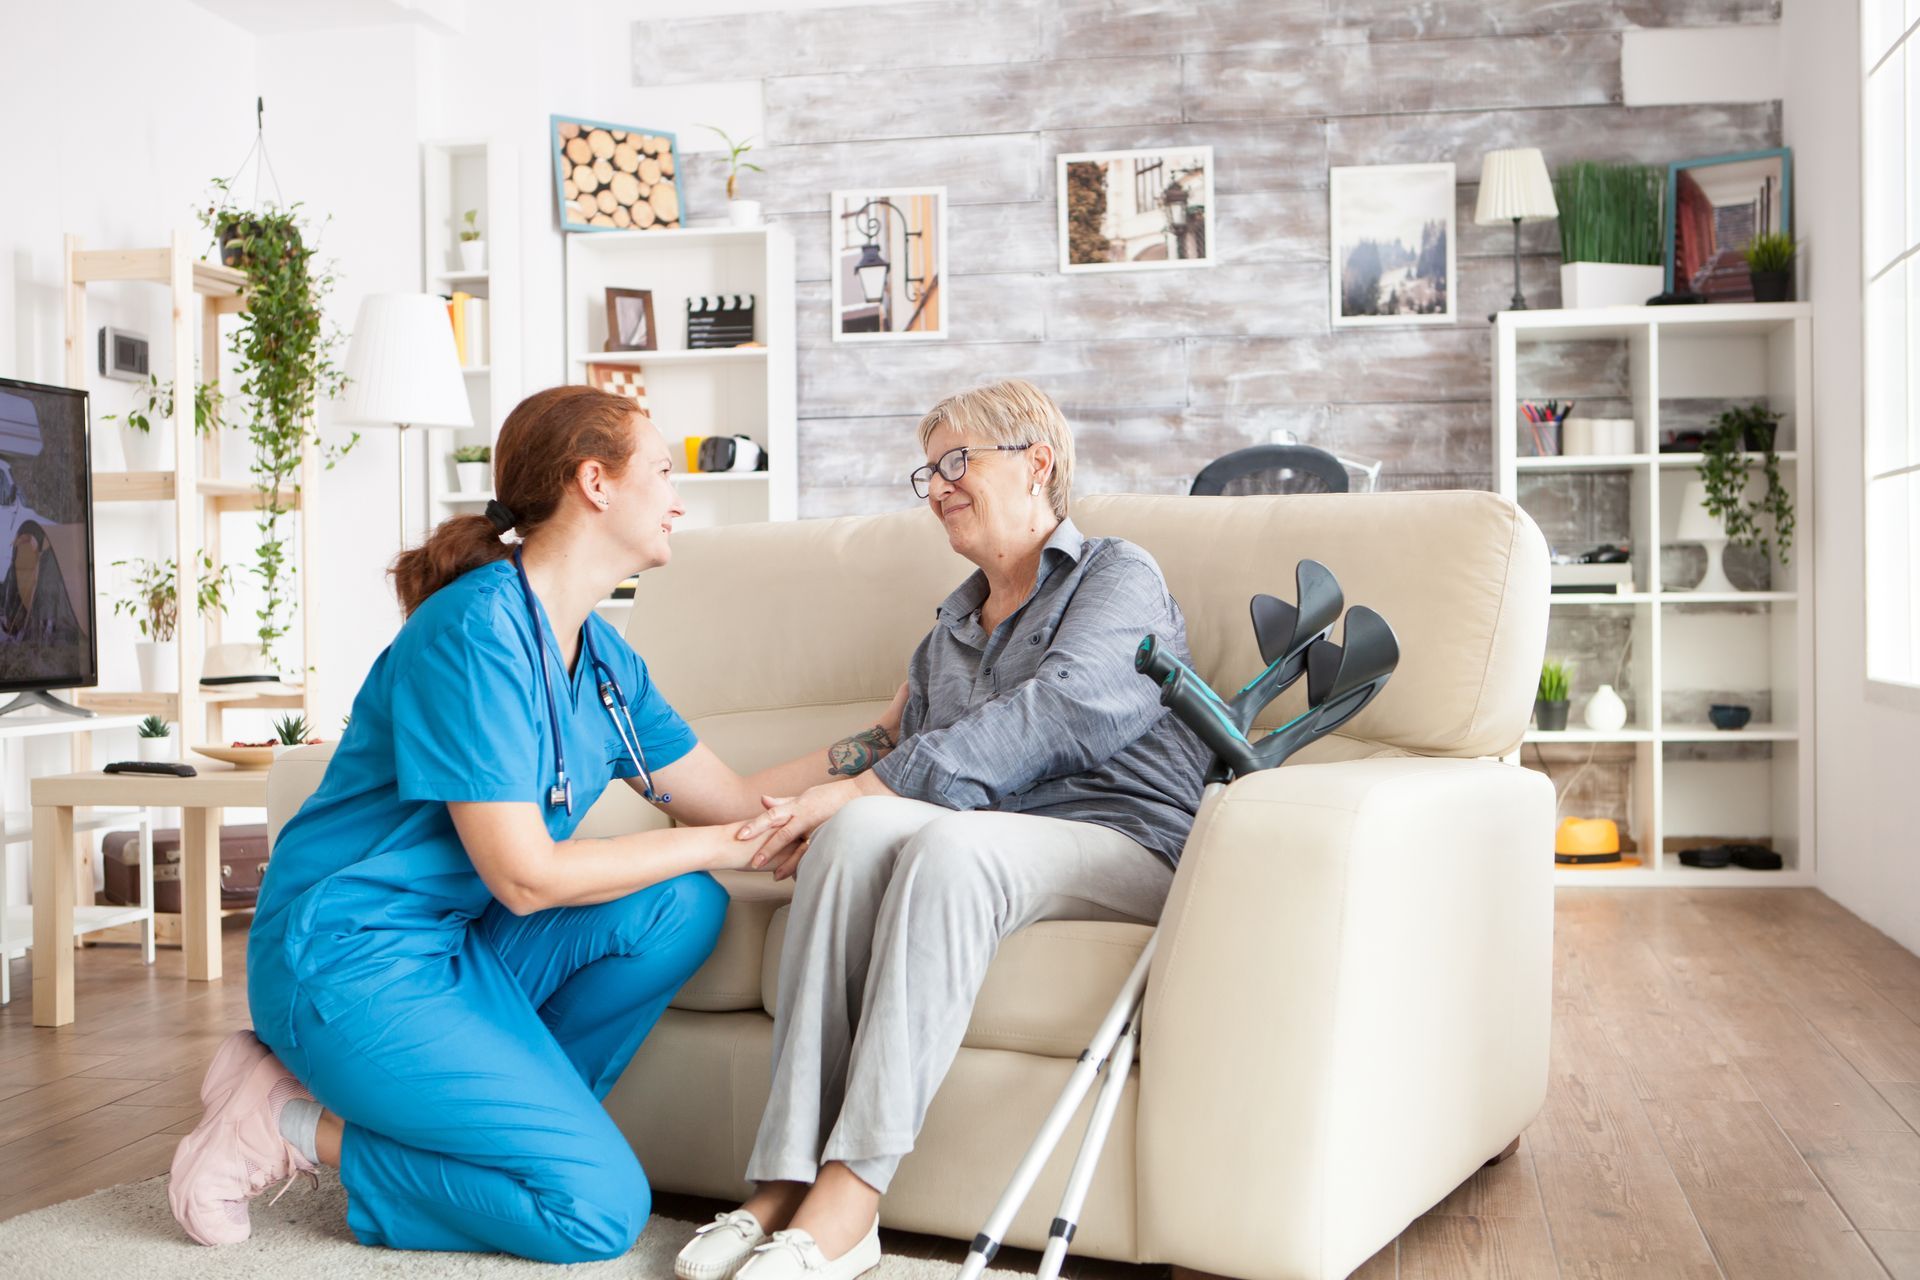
(1047, 715)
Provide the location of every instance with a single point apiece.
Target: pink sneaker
(236, 1150)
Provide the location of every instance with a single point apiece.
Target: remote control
(152, 766)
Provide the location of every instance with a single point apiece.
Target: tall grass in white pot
(1612, 252)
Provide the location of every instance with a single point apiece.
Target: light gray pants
(898, 908)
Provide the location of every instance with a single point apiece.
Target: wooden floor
(1736, 1091)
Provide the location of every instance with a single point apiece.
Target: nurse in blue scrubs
(444, 982)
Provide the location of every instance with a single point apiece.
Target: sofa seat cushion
(1046, 991)
(730, 979)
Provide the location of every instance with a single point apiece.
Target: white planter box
(147, 450)
(471, 477)
(159, 671)
(155, 748)
(1608, 284)
(473, 255)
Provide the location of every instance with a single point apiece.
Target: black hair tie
(499, 516)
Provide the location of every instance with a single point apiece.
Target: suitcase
(243, 861)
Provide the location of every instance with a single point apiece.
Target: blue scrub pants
(471, 1088)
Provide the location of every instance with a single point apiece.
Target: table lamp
(403, 371)
(1514, 187)
(1697, 524)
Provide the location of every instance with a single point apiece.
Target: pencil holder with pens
(1540, 427)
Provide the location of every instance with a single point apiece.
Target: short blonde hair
(1012, 411)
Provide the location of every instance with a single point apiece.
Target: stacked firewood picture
(614, 177)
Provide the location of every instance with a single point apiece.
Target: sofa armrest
(1349, 1010)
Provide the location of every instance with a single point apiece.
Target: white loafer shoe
(718, 1249)
(793, 1255)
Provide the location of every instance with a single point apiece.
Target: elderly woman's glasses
(953, 464)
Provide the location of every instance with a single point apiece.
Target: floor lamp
(403, 371)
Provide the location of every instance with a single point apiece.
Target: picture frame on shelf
(1392, 244)
(615, 177)
(1715, 206)
(890, 264)
(1144, 209)
(630, 320)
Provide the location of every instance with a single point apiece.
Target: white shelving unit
(458, 175)
(1679, 361)
(747, 391)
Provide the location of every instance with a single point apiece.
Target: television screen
(46, 539)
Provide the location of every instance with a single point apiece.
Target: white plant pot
(159, 670)
(154, 748)
(471, 477)
(1606, 713)
(473, 255)
(1608, 284)
(147, 450)
(743, 213)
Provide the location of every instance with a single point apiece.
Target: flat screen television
(47, 634)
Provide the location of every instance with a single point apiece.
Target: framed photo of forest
(1392, 250)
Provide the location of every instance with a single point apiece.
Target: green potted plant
(154, 605)
(1763, 522)
(1769, 258)
(290, 731)
(1611, 248)
(473, 248)
(1550, 702)
(742, 213)
(470, 468)
(155, 739)
(283, 364)
(146, 446)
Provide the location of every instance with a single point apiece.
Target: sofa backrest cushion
(764, 634)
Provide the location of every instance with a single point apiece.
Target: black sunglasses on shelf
(953, 464)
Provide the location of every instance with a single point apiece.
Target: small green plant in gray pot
(1550, 702)
(1770, 266)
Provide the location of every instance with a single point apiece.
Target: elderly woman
(1037, 777)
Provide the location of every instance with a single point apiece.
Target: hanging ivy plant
(283, 365)
(1723, 468)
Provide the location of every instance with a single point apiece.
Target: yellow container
(693, 454)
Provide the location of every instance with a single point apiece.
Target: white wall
(1868, 806)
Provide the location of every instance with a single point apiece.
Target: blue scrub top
(369, 880)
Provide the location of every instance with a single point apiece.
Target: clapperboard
(720, 320)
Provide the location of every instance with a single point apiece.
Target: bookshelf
(691, 393)
(457, 175)
(1685, 782)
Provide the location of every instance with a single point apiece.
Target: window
(1890, 207)
(1146, 185)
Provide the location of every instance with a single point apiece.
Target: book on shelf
(1590, 579)
(468, 316)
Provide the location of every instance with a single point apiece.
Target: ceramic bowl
(1729, 715)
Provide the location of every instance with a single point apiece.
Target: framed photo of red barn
(615, 177)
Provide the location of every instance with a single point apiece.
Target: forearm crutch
(1341, 679)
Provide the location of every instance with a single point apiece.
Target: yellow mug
(693, 454)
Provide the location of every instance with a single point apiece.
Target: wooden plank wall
(1162, 371)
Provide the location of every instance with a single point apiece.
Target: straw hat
(243, 665)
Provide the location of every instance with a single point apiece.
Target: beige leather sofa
(1349, 1012)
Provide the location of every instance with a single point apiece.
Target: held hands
(789, 823)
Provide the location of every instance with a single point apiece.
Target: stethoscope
(561, 792)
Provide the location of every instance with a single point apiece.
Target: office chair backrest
(1272, 468)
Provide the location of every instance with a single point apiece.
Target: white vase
(743, 213)
(1605, 713)
(1608, 284)
(154, 748)
(147, 450)
(159, 671)
(470, 477)
(473, 255)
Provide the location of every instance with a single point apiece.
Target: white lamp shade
(1697, 524)
(1514, 184)
(402, 366)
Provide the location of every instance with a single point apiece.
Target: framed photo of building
(1715, 207)
(1392, 251)
(1138, 210)
(889, 263)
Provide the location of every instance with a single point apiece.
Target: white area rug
(128, 1231)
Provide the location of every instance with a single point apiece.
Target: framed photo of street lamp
(889, 274)
(1392, 256)
(1136, 210)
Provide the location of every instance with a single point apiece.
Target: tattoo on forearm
(857, 754)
